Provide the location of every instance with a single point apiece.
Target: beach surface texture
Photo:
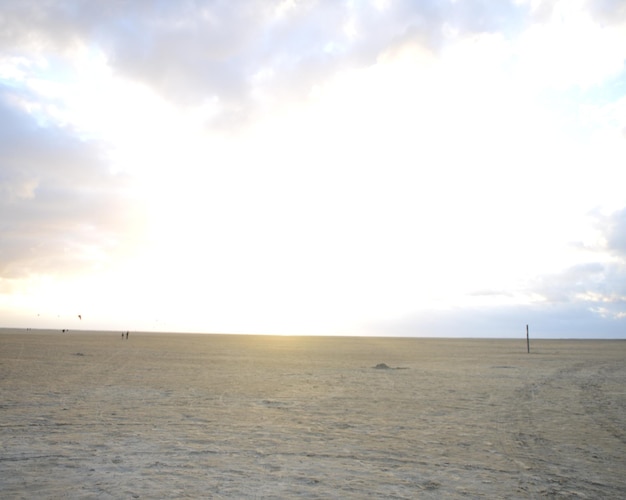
(96, 415)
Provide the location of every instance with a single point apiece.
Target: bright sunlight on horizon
(355, 168)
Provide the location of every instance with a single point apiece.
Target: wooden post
(527, 341)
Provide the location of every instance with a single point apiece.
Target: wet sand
(92, 415)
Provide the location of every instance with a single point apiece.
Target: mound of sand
(385, 366)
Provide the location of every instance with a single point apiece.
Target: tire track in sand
(541, 432)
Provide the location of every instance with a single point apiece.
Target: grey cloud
(615, 230)
(595, 286)
(544, 320)
(491, 293)
(600, 282)
(608, 11)
(192, 50)
(599, 287)
(59, 205)
(480, 16)
(573, 282)
(583, 301)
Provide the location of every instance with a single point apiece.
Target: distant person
(122, 335)
(126, 335)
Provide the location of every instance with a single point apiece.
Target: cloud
(396, 154)
(60, 207)
(584, 300)
(573, 283)
(608, 11)
(600, 285)
(615, 230)
(246, 55)
(242, 52)
(544, 320)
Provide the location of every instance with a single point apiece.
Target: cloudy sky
(380, 167)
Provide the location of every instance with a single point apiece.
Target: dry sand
(89, 415)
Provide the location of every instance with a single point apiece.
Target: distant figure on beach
(122, 335)
(126, 335)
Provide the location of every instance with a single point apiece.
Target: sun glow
(292, 215)
(361, 178)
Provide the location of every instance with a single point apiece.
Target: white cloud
(571, 48)
(62, 211)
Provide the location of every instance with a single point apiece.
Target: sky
(393, 168)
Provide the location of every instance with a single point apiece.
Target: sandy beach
(92, 415)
